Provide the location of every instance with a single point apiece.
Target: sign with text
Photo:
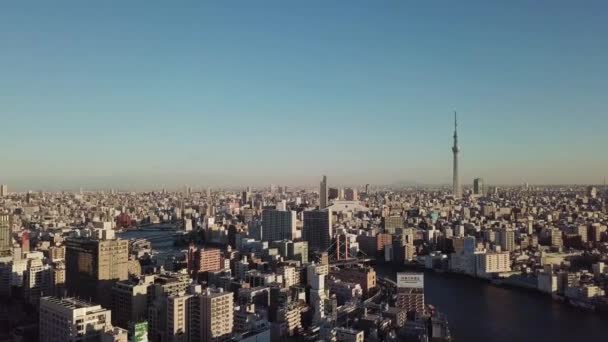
(410, 280)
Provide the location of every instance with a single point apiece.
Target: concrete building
(317, 229)
(396, 315)
(204, 260)
(56, 253)
(349, 335)
(488, 263)
(507, 239)
(289, 276)
(196, 315)
(318, 296)
(288, 321)
(38, 281)
(115, 334)
(6, 241)
(392, 223)
(365, 276)
(374, 245)
(410, 300)
(177, 327)
(344, 291)
(71, 320)
(215, 308)
(298, 251)
(58, 279)
(555, 236)
(278, 225)
(93, 266)
(350, 194)
(333, 193)
(547, 281)
(130, 301)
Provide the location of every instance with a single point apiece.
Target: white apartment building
(488, 263)
(70, 319)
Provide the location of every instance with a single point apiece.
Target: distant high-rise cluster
(280, 263)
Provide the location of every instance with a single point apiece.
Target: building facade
(317, 229)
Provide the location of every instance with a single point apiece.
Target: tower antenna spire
(457, 191)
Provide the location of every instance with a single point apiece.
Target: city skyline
(142, 97)
(246, 171)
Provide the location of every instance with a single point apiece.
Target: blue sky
(146, 94)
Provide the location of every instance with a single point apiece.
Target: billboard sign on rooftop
(410, 280)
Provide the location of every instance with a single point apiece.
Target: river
(480, 311)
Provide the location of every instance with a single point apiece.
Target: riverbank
(481, 311)
(519, 283)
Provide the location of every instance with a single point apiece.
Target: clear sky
(143, 94)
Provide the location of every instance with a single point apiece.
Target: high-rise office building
(6, 242)
(278, 225)
(333, 193)
(317, 229)
(246, 197)
(478, 187)
(456, 190)
(93, 266)
(3, 190)
(323, 193)
(350, 194)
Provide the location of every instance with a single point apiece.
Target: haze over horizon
(137, 95)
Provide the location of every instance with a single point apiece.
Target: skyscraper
(5, 236)
(478, 187)
(3, 190)
(457, 191)
(350, 194)
(278, 225)
(323, 194)
(317, 229)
